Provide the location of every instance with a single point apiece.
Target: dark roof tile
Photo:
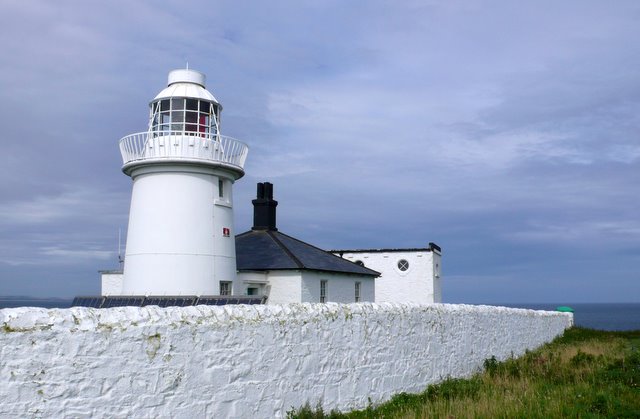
(258, 250)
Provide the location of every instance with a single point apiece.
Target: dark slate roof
(262, 250)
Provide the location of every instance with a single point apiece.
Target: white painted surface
(294, 286)
(246, 361)
(284, 287)
(340, 287)
(112, 283)
(420, 284)
(186, 83)
(175, 241)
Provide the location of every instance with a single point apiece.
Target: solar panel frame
(164, 301)
(123, 301)
(88, 301)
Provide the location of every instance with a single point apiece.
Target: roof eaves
(421, 249)
(373, 273)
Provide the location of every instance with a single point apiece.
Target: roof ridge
(285, 248)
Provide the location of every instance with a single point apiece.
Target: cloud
(589, 232)
(494, 129)
(72, 204)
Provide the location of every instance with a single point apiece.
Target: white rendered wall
(175, 241)
(285, 287)
(246, 361)
(436, 274)
(418, 284)
(112, 283)
(340, 287)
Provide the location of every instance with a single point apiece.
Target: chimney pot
(264, 208)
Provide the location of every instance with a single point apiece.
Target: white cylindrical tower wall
(176, 243)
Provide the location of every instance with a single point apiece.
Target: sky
(506, 132)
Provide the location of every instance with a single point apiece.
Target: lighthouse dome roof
(186, 83)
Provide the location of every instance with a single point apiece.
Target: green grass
(583, 374)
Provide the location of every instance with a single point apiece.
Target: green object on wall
(565, 309)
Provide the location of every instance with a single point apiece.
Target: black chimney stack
(264, 208)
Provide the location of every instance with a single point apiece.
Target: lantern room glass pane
(164, 105)
(192, 104)
(177, 116)
(205, 107)
(177, 104)
(191, 117)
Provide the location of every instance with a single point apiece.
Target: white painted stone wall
(420, 284)
(246, 361)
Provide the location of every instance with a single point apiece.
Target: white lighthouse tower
(180, 239)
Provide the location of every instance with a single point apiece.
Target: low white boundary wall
(247, 361)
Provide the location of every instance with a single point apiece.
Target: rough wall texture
(246, 361)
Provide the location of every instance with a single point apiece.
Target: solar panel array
(164, 301)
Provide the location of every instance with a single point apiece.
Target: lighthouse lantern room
(180, 238)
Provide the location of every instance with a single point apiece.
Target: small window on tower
(225, 287)
(357, 292)
(220, 188)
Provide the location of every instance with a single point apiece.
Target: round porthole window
(403, 265)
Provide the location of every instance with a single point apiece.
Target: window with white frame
(357, 290)
(323, 291)
(225, 287)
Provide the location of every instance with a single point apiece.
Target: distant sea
(9, 302)
(602, 316)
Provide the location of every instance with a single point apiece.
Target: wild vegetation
(583, 374)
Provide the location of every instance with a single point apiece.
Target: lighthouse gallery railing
(182, 145)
